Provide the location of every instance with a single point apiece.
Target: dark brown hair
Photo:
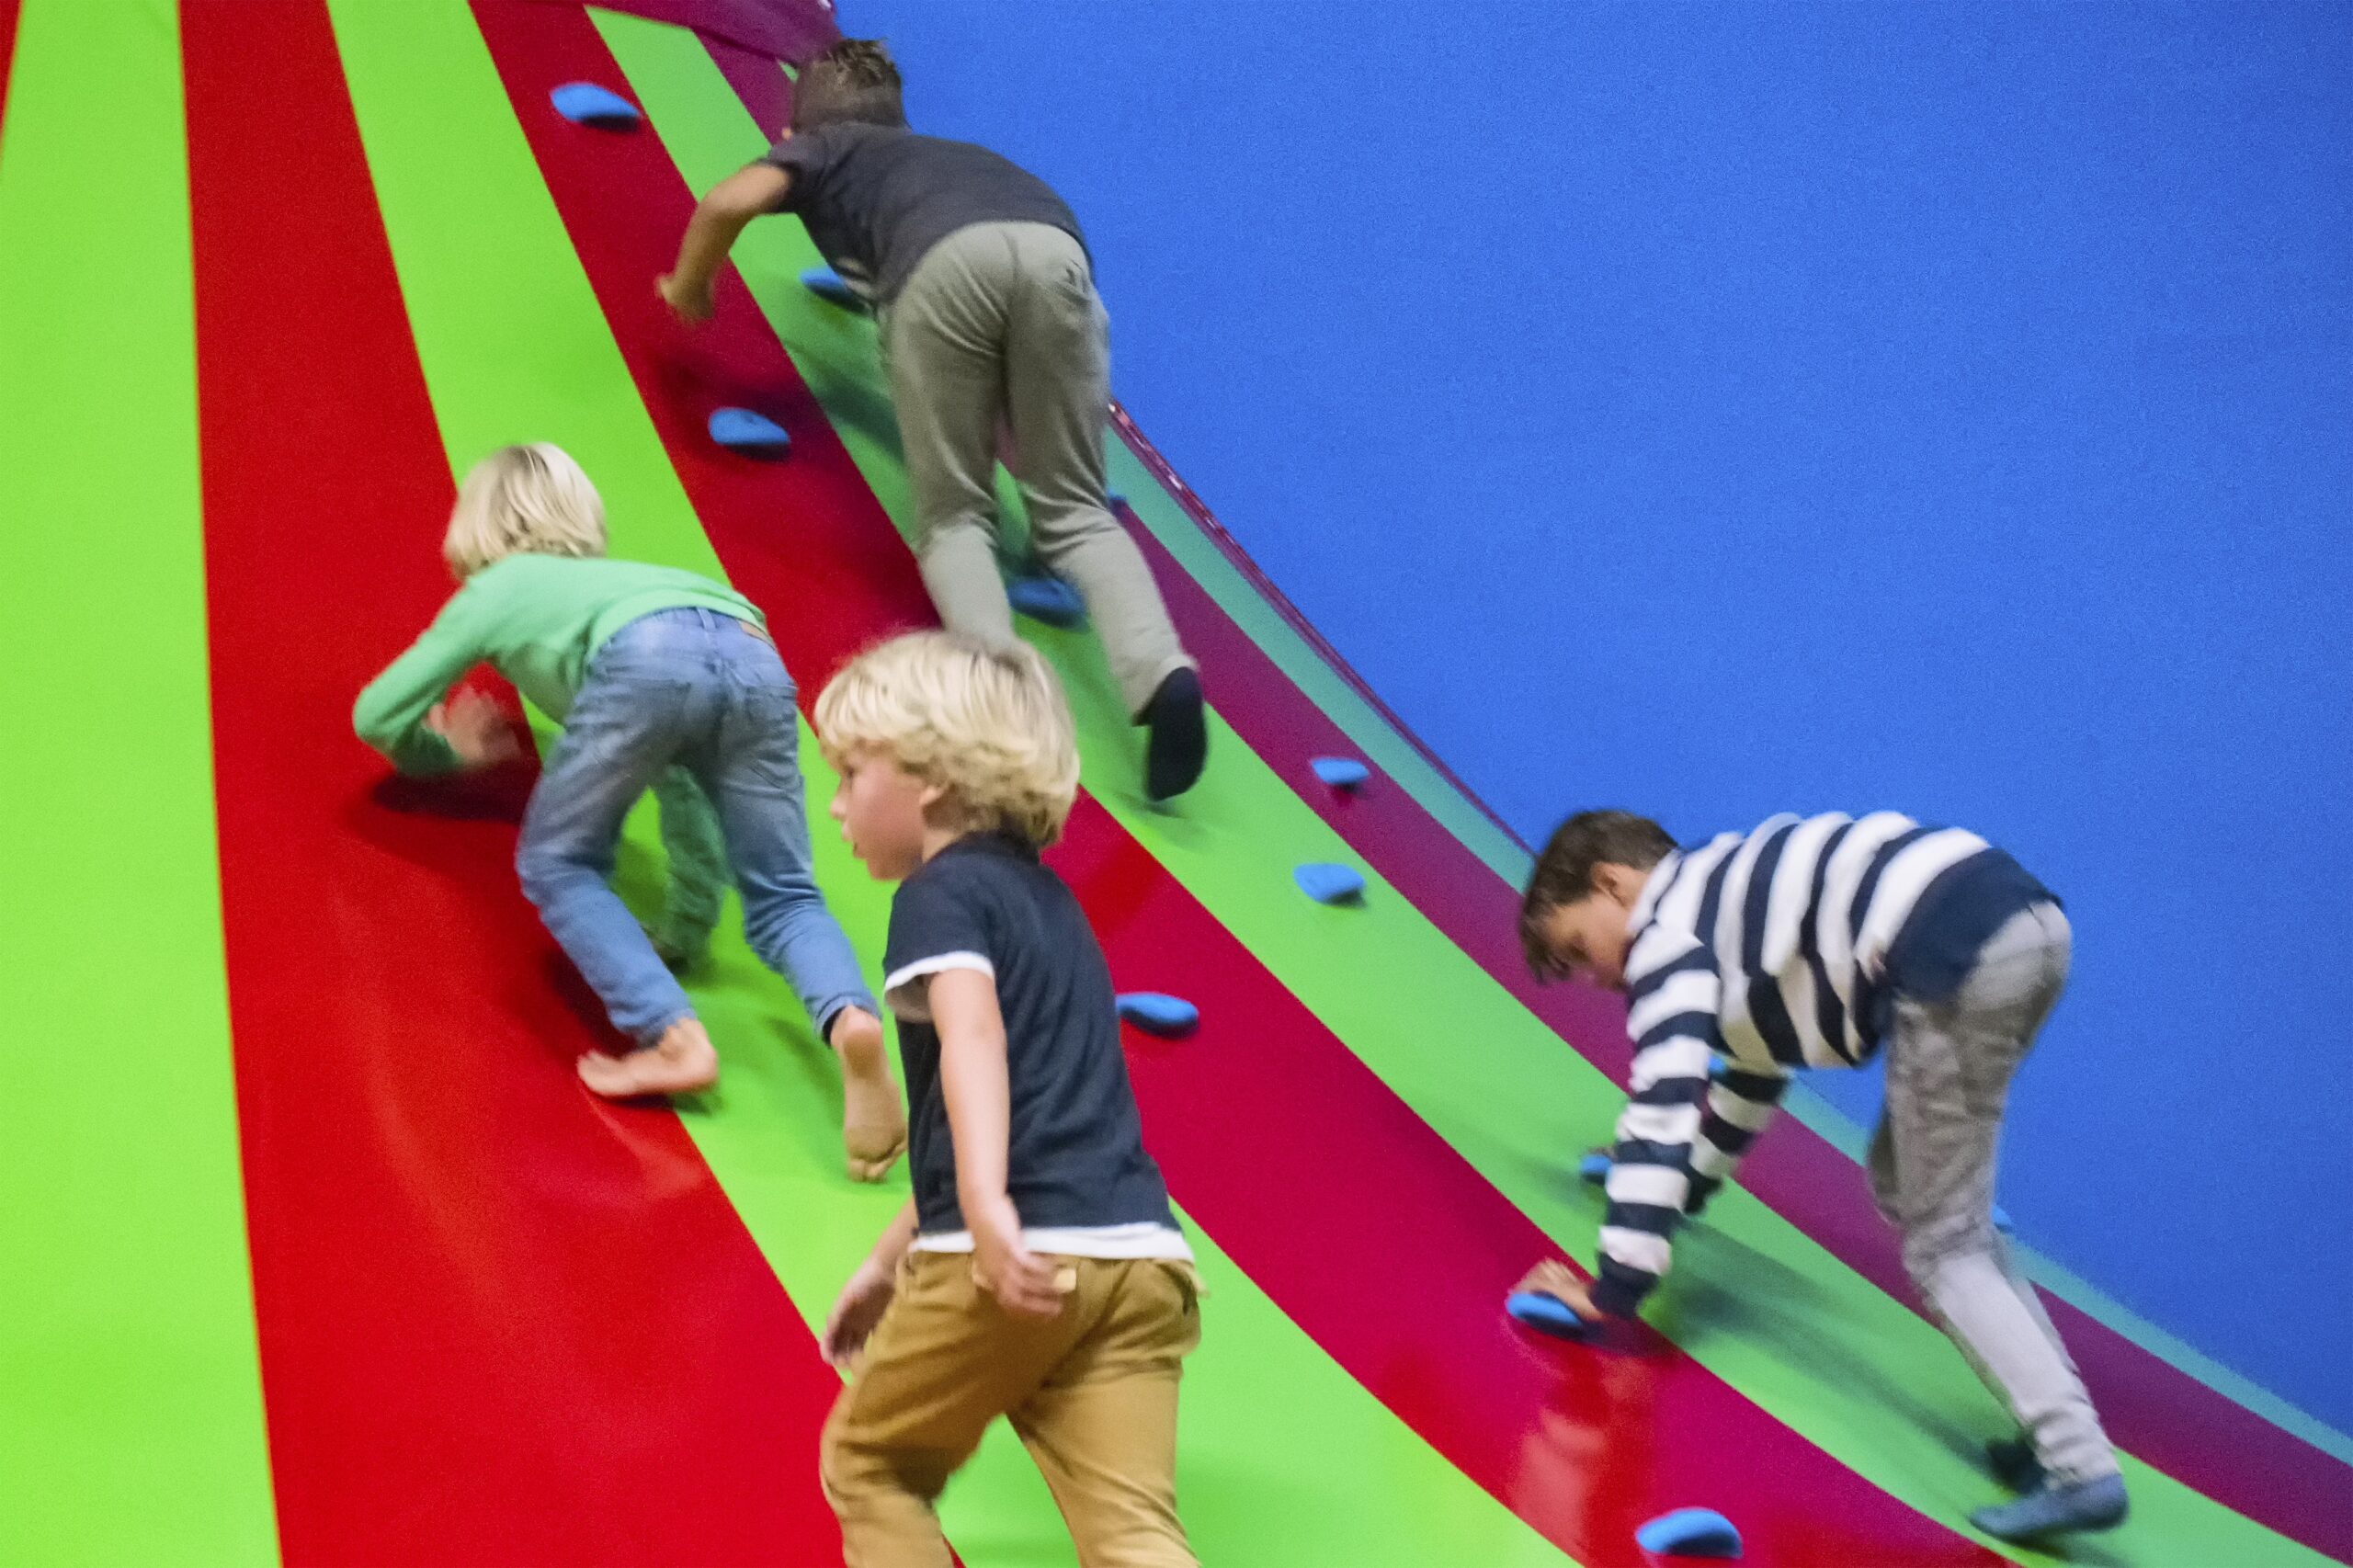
(1564, 873)
(853, 81)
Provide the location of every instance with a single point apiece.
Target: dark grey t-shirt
(876, 199)
(1075, 1153)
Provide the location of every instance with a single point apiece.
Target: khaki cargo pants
(1092, 1393)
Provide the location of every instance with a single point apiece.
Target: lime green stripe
(1826, 1352)
(513, 343)
(130, 1415)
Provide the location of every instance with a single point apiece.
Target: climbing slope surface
(328, 1257)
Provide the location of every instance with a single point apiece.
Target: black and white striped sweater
(1757, 954)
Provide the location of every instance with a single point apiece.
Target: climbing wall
(316, 1251)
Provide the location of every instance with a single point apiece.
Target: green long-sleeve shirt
(534, 618)
(537, 620)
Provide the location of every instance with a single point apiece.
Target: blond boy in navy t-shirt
(1037, 1272)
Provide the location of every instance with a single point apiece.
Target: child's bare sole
(874, 1129)
(682, 1062)
(871, 1160)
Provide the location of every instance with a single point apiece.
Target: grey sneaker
(2056, 1510)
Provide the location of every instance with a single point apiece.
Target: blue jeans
(704, 693)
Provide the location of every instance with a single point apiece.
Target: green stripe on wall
(131, 1414)
(1484, 1073)
(515, 345)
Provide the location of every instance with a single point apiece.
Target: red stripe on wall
(500, 1322)
(7, 54)
(759, 83)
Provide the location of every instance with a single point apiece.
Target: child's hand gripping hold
(477, 731)
(1555, 1279)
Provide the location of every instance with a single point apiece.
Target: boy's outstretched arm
(719, 218)
(1682, 1132)
(973, 1081)
(407, 712)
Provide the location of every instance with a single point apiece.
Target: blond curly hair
(989, 725)
(523, 500)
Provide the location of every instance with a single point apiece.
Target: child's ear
(1621, 886)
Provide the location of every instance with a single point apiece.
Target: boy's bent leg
(1057, 384)
(751, 770)
(696, 885)
(946, 336)
(943, 1363)
(1949, 1072)
(616, 740)
(1103, 1427)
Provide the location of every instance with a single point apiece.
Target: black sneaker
(1179, 745)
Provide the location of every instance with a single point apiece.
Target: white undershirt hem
(1145, 1239)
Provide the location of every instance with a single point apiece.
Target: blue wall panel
(1723, 409)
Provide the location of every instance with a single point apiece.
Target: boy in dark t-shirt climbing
(989, 318)
(1037, 1272)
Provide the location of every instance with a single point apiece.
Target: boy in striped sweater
(1810, 943)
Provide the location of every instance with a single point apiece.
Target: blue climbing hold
(1595, 1167)
(1327, 883)
(831, 288)
(2002, 1220)
(585, 103)
(1545, 1314)
(754, 434)
(1341, 772)
(1690, 1532)
(1156, 1013)
(1049, 599)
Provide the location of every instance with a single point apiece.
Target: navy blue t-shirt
(1075, 1154)
(876, 199)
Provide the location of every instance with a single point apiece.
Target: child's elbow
(374, 724)
(367, 723)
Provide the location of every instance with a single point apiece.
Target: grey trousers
(1000, 325)
(1948, 1071)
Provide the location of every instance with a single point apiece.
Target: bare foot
(874, 1129)
(681, 1062)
